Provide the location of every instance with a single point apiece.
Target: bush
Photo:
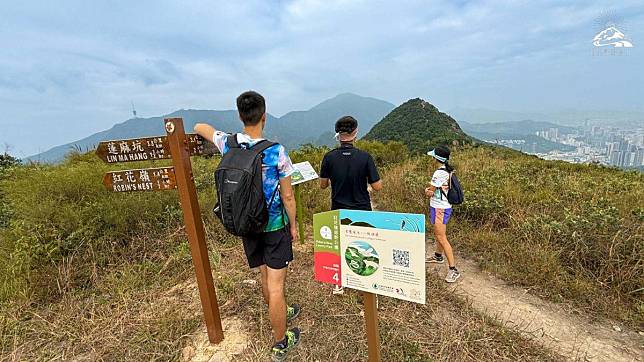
(64, 223)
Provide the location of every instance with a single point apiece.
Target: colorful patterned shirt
(276, 165)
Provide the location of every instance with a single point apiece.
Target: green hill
(419, 125)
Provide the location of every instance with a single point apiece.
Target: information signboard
(372, 251)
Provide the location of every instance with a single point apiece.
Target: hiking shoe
(435, 259)
(279, 351)
(338, 290)
(452, 275)
(292, 312)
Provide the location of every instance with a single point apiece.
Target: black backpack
(241, 205)
(455, 194)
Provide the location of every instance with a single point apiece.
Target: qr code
(401, 258)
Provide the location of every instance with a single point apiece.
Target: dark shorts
(274, 248)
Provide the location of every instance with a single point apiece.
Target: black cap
(346, 124)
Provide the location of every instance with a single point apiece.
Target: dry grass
(145, 311)
(570, 233)
(101, 287)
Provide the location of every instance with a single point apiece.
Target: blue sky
(71, 68)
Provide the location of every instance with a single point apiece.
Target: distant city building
(594, 144)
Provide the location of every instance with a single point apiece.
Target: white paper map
(303, 172)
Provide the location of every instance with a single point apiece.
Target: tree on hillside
(6, 160)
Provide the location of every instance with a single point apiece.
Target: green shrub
(63, 216)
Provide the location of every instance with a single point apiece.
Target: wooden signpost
(178, 146)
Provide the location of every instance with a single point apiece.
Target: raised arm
(205, 130)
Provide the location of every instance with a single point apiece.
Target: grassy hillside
(88, 274)
(570, 233)
(85, 273)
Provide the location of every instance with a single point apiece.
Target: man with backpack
(349, 171)
(256, 202)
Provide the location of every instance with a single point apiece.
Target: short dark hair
(251, 107)
(346, 124)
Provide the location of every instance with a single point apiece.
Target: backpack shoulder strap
(231, 141)
(262, 146)
(449, 184)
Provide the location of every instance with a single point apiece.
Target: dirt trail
(545, 322)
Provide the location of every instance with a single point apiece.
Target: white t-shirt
(440, 180)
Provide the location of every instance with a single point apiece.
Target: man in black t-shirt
(349, 171)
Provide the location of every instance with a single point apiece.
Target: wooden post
(371, 322)
(179, 149)
(298, 206)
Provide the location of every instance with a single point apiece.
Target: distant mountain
(621, 118)
(418, 124)
(482, 115)
(292, 129)
(518, 128)
(309, 126)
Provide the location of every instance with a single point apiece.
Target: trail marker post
(304, 172)
(178, 146)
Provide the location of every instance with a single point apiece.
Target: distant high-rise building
(639, 157)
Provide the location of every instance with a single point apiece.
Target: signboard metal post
(179, 149)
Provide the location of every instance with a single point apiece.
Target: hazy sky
(72, 68)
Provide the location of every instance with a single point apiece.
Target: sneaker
(452, 275)
(279, 351)
(338, 290)
(435, 259)
(292, 312)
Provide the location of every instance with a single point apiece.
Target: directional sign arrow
(149, 148)
(145, 179)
